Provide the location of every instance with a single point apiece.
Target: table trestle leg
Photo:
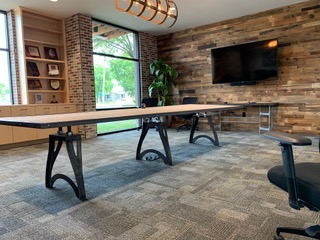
(162, 130)
(75, 160)
(192, 139)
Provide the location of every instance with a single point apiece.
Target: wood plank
(297, 29)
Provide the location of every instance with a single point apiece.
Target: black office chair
(187, 117)
(300, 180)
(150, 102)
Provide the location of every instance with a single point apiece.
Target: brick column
(80, 67)
(148, 52)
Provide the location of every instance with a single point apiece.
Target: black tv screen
(245, 63)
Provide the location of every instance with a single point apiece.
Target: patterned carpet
(209, 193)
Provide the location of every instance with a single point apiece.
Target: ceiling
(192, 13)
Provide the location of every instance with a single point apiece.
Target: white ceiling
(192, 13)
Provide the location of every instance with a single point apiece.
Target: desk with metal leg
(72, 119)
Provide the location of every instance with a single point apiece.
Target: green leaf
(163, 81)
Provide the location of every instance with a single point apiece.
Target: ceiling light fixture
(162, 12)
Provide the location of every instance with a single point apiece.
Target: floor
(209, 193)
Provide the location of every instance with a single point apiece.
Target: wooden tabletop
(80, 118)
(246, 104)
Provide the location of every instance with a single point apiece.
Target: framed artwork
(38, 97)
(34, 84)
(51, 53)
(53, 69)
(32, 69)
(32, 51)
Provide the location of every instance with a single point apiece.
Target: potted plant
(163, 81)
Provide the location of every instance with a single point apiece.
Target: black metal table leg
(75, 160)
(192, 139)
(162, 130)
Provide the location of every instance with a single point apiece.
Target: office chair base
(185, 126)
(311, 232)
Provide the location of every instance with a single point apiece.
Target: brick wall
(80, 67)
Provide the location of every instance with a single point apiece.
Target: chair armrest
(287, 138)
(286, 141)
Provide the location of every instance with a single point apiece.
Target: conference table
(152, 119)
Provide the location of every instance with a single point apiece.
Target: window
(116, 71)
(5, 79)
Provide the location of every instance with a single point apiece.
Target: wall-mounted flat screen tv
(245, 64)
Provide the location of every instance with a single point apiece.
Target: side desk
(264, 118)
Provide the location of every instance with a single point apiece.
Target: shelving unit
(268, 115)
(263, 118)
(35, 32)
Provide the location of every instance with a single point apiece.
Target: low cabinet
(10, 135)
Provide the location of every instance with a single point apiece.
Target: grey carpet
(209, 193)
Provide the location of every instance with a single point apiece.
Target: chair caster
(278, 237)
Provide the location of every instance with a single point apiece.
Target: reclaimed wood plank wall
(297, 28)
